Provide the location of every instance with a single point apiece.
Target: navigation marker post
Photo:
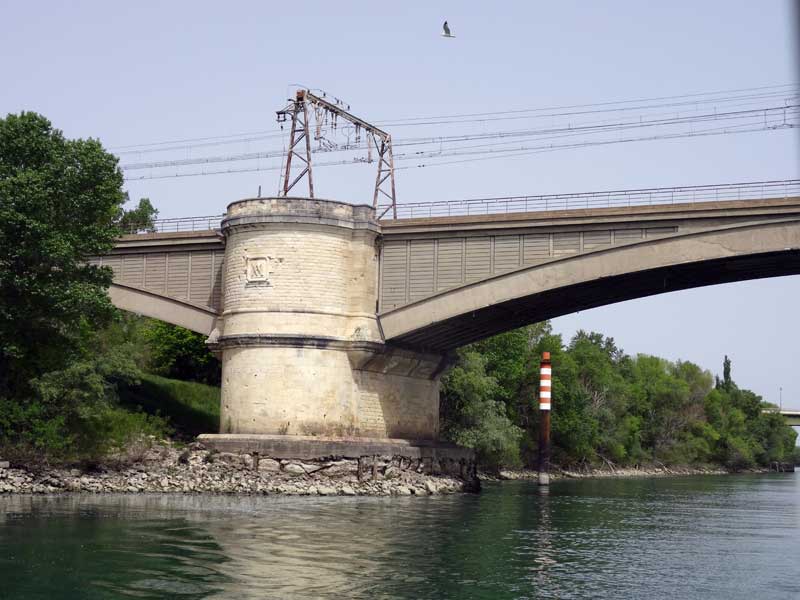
(545, 374)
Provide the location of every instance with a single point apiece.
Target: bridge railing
(606, 199)
(182, 224)
(786, 188)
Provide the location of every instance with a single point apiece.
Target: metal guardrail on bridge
(517, 204)
(180, 224)
(607, 199)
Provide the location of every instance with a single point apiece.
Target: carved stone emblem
(258, 269)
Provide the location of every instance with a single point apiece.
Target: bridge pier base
(301, 386)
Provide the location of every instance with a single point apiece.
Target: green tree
(58, 203)
(607, 406)
(473, 417)
(63, 355)
(726, 373)
(511, 359)
(745, 434)
(139, 219)
(180, 353)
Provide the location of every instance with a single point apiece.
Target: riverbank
(623, 472)
(166, 468)
(196, 469)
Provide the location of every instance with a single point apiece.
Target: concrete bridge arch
(455, 317)
(195, 317)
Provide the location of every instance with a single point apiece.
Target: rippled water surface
(693, 537)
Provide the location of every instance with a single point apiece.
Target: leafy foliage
(58, 202)
(63, 353)
(140, 219)
(73, 413)
(181, 354)
(608, 407)
(478, 420)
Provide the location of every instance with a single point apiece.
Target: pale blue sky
(153, 71)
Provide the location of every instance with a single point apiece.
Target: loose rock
(294, 470)
(268, 465)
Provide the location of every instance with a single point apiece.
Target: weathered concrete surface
(201, 319)
(175, 277)
(308, 447)
(560, 263)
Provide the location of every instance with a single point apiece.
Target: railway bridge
(331, 323)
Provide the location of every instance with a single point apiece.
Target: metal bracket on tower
(298, 111)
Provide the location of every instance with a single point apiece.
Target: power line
(776, 91)
(498, 115)
(441, 140)
(567, 132)
(526, 151)
(198, 139)
(492, 154)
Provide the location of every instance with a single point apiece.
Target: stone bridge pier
(303, 356)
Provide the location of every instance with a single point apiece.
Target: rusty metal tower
(298, 110)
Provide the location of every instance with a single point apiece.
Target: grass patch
(191, 408)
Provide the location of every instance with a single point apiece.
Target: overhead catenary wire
(501, 116)
(774, 91)
(469, 137)
(420, 121)
(487, 155)
(569, 130)
(525, 151)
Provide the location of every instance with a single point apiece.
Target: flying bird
(446, 31)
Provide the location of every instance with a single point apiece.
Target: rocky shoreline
(196, 469)
(620, 472)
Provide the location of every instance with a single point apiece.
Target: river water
(684, 537)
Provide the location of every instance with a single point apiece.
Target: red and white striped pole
(545, 398)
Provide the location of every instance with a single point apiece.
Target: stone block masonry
(302, 352)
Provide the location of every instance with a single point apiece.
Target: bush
(181, 354)
(74, 417)
(473, 418)
(127, 435)
(72, 414)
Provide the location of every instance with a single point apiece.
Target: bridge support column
(302, 351)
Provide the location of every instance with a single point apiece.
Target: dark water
(696, 537)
